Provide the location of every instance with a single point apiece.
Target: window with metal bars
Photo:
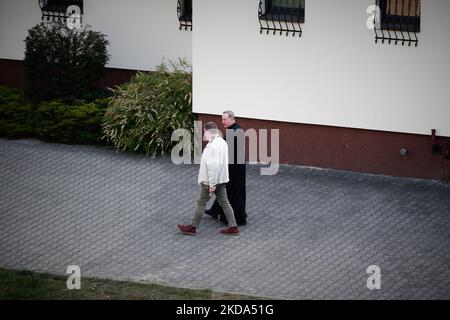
(399, 21)
(54, 10)
(281, 16)
(286, 8)
(184, 10)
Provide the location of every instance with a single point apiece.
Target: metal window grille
(56, 10)
(184, 10)
(399, 22)
(281, 16)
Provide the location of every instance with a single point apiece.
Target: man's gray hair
(229, 113)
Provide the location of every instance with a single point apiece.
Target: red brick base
(12, 75)
(350, 149)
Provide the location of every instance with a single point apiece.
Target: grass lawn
(31, 285)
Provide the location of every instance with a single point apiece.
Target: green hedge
(54, 121)
(76, 124)
(141, 115)
(16, 114)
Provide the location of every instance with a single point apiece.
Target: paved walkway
(311, 233)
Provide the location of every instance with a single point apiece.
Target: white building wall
(334, 74)
(141, 32)
(16, 17)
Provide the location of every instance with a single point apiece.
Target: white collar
(213, 137)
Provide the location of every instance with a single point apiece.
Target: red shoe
(232, 231)
(187, 229)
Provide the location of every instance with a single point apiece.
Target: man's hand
(212, 189)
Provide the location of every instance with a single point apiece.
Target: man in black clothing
(236, 186)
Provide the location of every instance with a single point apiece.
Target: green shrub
(144, 112)
(72, 124)
(54, 121)
(16, 114)
(8, 95)
(63, 63)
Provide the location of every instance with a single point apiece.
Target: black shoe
(212, 214)
(241, 223)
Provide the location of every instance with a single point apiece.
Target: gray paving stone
(311, 233)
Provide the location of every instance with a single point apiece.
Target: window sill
(399, 23)
(186, 18)
(285, 17)
(400, 27)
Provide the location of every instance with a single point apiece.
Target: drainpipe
(447, 160)
(447, 150)
(435, 147)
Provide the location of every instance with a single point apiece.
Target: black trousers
(236, 193)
